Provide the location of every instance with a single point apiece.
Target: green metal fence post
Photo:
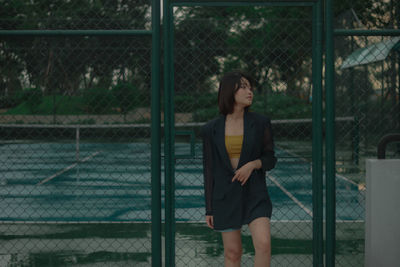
(317, 155)
(169, 135)
(330, 138)
(172, 161)
(58, 33)
(155, 138)
(398, 86)
(385, 32)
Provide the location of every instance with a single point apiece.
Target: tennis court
(111, 182)
(60, 203)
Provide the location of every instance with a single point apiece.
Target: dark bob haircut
(228, 86)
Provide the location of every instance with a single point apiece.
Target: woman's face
(244, 94)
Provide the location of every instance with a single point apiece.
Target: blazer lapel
(219, 134)
(248, 139)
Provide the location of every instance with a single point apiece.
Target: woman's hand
(243, 174)
(210, 221)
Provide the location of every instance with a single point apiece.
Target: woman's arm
(244, 172)
(266, 162)
(268, 159)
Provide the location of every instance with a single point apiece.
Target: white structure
(382, 220)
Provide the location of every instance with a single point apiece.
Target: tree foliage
(66, 64)
(271, 43)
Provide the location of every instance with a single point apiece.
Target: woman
(238, 149)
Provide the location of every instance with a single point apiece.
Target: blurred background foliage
(75, 73)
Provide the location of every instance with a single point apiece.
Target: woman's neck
(237, 114)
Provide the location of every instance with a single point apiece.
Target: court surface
(46, 182)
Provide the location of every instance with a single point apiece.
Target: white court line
(298, 202)
(346, 179)
(67, 168)
(293, 154)
(337, 175)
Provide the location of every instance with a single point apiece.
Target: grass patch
(59, 105)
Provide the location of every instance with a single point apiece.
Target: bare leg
(261, 235)
(232, 248)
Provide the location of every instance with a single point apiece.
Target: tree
(126, 97)
(63, 64)
(258, 39)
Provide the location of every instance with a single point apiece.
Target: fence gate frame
(154, 32)
(317, 143)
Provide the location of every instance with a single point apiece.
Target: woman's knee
(233, 254)
(262, 245)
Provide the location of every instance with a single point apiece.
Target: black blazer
(224, 198)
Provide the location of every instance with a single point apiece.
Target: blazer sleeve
(268, 159)
(207, 170)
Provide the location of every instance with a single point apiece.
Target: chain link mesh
(75, 135)
(366, 14)
(75, 15)
(367, 91)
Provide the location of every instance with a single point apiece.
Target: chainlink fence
(75, 134)
(75, 184)
(367, 91)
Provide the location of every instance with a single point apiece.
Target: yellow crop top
(233, 145)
